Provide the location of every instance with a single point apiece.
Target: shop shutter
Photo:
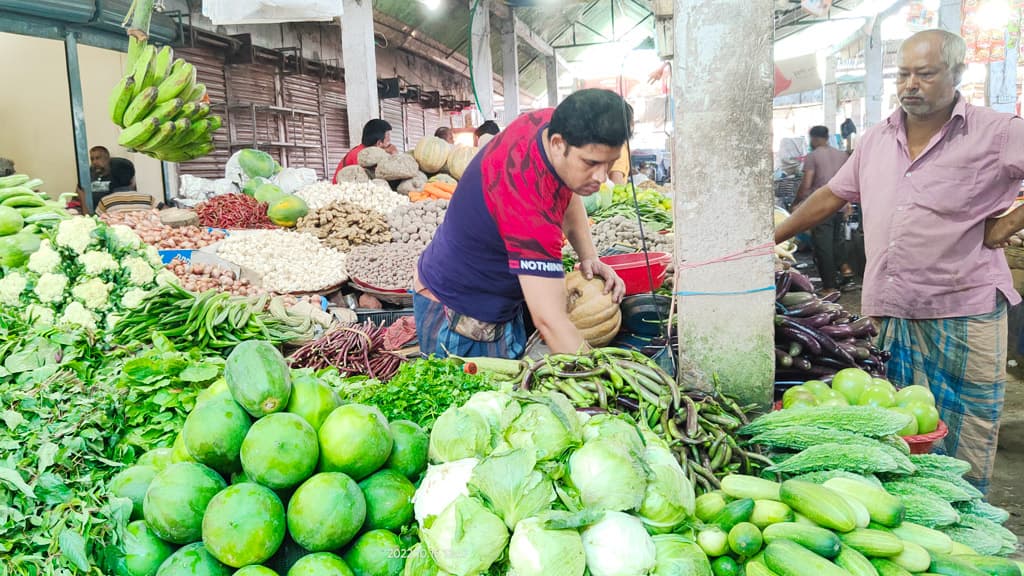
(209, 64)
(335, 121)
(432, 121)
(252, 95)
(392, 111)
(303, 127)
(414, 124)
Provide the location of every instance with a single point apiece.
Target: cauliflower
(75, 313)
(166, 278)
(97, 262)
(39, 315)
(140, 270)
(11, 287)
(50, 287)
(94, 293)
(44, 260)
(76, 233)
(125, 237)
(133, 298)
(112, 320)
(153, 255)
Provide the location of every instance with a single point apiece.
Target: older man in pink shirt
(929, 179)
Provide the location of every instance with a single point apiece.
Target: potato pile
(342, 225)
(623, 231)
(202, 277)
(416, 223)
(388, 266)
(147, 225)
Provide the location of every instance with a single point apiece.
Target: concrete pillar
(360, 61)
(830, 93)
(510, 69)
(874, 90)
(726, 308)
(483, 68)
(552, 77)
(950, 14)
(1002, 82)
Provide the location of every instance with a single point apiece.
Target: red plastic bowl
(632, 268)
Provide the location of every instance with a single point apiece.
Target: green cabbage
(618, 545)
(497, 408)
(616, 428)
(466, 538)
(458, 434)
(606, 476)
(547, 425)
(511, 487)
(678, 557)
(669, 499)
(534, 551)
(419, 563)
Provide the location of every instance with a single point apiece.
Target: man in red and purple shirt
(500, 244)
(377, 133)
(929, 181)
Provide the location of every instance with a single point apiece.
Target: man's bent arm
(547, 300)
(818, 208)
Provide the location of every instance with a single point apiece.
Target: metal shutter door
(414, 124)
(254, 126)
(391, 110)
(302, 93)
(209, 64)
(335, 120)
(432, 121)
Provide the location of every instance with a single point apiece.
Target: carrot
(447, 187)
(443, 195)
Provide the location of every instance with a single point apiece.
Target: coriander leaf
(12, 477)
(72, 546)
(12, 419)
(47, 454)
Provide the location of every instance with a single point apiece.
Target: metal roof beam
(526, 34)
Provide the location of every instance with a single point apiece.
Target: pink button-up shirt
(924, 220)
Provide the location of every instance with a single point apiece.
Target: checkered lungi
(963, 361)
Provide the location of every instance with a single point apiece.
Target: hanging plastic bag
(228, 12)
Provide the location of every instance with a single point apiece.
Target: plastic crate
(168, 256)
(382, 317)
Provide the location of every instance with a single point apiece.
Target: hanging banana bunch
(163, 111)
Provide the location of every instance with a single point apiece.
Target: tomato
(884, 382)
(877, 395)
(803, 401)
(909, 429)
(927, 417)
(851, 382)
(914, 393)
(798, 393)
(820, 389)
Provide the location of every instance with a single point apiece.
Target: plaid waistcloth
(436, 338)
(963, 361)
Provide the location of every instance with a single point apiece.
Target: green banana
(178, 82)
(136, 134)
(14, 180)
(162, 64)
(173, 155)
(140, 106)
(24, 201)
(215, 123)
(33, 183)
(187, 110)
(135, 49)
(142, 72)
(181, 129)
(159, 138)
(120, 98)
(198, 129)
(167, 111)
(197, 93)
(15, 191)
(202, 111)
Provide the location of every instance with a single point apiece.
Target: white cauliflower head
(133, 298)
(125, 237)
(140, 271)
(75, 313)
(76, 233)
(97, 262)
(11, 287)
(44, 260)
(166, 278)
(39, 315)
(50, 287)
(94, 293)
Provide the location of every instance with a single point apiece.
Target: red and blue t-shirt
(505, 219)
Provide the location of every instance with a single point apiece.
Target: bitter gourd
(852, 458)
(866, 420)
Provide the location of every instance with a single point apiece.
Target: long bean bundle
(352, 349)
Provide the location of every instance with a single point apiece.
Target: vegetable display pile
(524, 484)
(234, 212)
(388, 266)
(84, 273)
(342, 225)
(353, 349)
(202, 277)
(21, 203)
(623, 231)
(367, 195)
(417, 223)
(152, 231)
(433, 191)
(286, 261)
(815, 337)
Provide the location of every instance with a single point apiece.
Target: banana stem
(141, 14)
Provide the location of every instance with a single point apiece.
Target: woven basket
(1015, 257)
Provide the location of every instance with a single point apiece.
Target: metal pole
(78, 118)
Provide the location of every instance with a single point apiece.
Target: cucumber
(953, 566)
(992, 565)
(822, 505)
(726, 566)
(801, 519)
(915, 558)
(816, 539)
(930, 540)
(768, 512)
(884, 508)
(961, 549)
(873, 543)
(854, 562)
(734, 513)
(14, 180)
(758, 568)
(745, 539)
(787, 558)
(742, 486)
(863, 517)
(888, 568)
(709, 505)
(713, 541)
(6, 193)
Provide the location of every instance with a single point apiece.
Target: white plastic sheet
(228, 12)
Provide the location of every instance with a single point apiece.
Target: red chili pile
(352, 349)
(234, 212)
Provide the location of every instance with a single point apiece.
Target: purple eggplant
(783, 281)
(839, 331)
(809, 344)
(826, 343)
(809, 309)
(832, 296)
(783, 359)
(800, 283)
(816, 321)
(795, 349)
(802, 364)
(793, 299)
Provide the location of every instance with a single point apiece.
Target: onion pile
(202, 277)
(147, 225)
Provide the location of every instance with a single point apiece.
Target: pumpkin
(593, 312)
(459, 159)
(432, 154)
(446, 179)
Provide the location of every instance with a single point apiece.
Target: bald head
(931, 65)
